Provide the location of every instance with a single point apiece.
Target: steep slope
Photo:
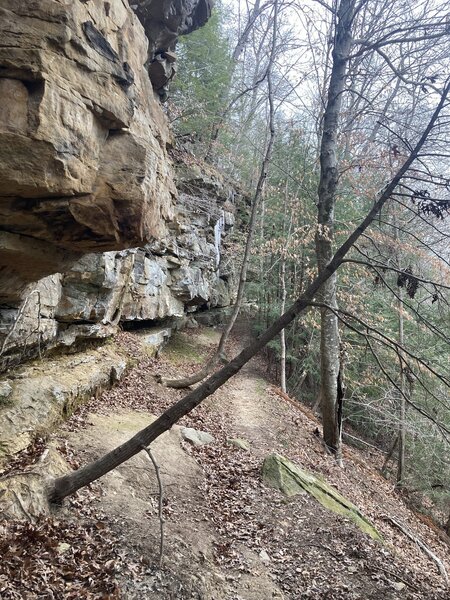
(227, 535)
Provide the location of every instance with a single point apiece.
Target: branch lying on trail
(421, 545)
(68, 484)
(396, 576)
(160, 502)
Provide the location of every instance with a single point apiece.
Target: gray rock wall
(169, 277)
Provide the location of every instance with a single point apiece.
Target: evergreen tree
(204, 67)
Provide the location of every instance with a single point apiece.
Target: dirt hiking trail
(227, 536)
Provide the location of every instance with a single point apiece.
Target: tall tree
(330, 364)
(366, 39)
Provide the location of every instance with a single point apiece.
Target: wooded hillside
(266, 184)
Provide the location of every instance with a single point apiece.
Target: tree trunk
(447, 526)
(283, 334)
(402, 416)
(402, 384)
(219, 354)
(330, 341)
(389, 456)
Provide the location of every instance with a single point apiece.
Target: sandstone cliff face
(93, 230)
(83, 140)
(166, 278)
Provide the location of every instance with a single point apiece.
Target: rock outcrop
(178, 273)
(93, 230)
(280, 473)
(83, 140)
(43, 394)
(165, 20)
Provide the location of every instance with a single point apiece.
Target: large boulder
(289, 478)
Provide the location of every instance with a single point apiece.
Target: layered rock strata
(85, 175)
(187, 269)
(38, 397)
(83, 140)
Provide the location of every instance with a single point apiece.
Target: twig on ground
(421, 545)
(321, 547)
(160, 503)
(392, 574)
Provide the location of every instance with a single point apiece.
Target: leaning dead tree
(70, 483)
(219, 354)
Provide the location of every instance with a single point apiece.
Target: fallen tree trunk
(68, 484)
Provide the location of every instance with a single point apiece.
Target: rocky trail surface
(227, 535)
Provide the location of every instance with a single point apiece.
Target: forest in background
(342, 91)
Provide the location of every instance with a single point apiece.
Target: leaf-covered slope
(227, 534)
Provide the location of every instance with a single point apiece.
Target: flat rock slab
(196, 438)
(24, 495)
(286, 476)
(155, 339)
(46, 392)
(239, 443)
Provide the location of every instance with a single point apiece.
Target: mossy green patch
(282, 474)
(240, 443)
(260, 385)
(183, 348)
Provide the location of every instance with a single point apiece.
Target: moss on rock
(282, 474)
